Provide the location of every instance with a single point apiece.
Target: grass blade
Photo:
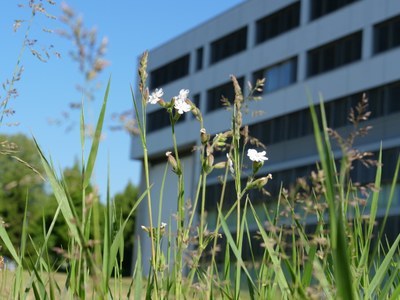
(232, 244)
(7, 242)
(120, 235)
(381, 273)
(61, 197)
(273, 255)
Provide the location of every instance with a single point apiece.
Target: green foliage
(19, 181)
(123, 203)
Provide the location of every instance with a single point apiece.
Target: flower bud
(210, 160)
(220, 165)
(172, 162)
(259, 183)
(256, 166)
(161, 102)
(204, 137)
(197, 113)
(230, 162)
(208, 164)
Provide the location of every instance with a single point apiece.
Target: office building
(339, 48)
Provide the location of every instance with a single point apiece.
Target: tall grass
(342, 256)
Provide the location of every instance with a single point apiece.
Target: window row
(253, 247)
(382, 101)
(340, 52)
(322, 59)
(288, 178)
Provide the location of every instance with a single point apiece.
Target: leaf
(96, 140)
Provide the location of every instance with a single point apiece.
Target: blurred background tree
(123, 203)
(20, 181)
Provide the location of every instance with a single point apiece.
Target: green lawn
(7, 278)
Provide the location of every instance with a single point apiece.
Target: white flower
(180, 102)
(183, 94)
(163, 225)
(155, 96)
(256, 156)
(182, 107)
(230, 162)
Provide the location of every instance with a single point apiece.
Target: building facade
(339, 48)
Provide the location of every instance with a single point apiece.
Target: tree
(123, 203)
(20, 181)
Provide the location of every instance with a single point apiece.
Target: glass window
(279, 129)
(225, 90)
(199, 58)
(320, 8)
(394, 98)
(387, 35)
(228, 45)
(294, 125)
(279, 75)
(335, 54)
(171, 71)
(278, 23)
(159, 119)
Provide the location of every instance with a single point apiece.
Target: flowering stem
(146, 171)
(181, 203)
(236, 154)
(181, 213)
(203, 202)
(3, 104)
(150, 214)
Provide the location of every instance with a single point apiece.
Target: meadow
(344, 254)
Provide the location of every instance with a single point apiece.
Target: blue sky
(46, 89)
